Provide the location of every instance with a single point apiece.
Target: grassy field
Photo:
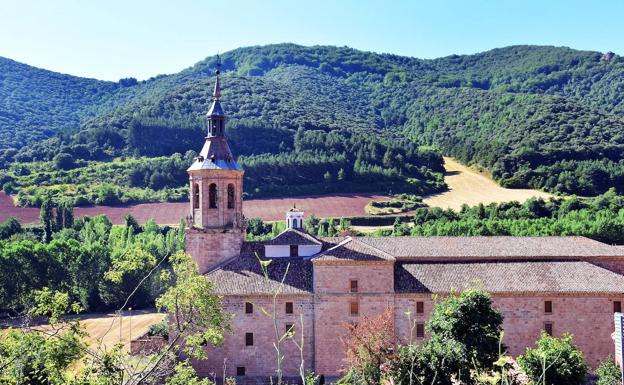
(472, 187)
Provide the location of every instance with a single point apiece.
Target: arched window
(296, 223)
(230, 196)
(212, 196)
(195, 196)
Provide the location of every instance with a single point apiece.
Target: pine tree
(341, 174)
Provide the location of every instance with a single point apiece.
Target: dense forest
(543, 117)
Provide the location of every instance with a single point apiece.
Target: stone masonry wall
(589, 319)
(211, 247)
(333, 306)
(259, 360)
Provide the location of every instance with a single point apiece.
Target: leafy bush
(554, 360)
(608, 373)
(159, 329)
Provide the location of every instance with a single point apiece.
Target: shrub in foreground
(557, 360)
(608, 373)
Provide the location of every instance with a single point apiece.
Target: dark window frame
(353, 286)
(248, 308)
(212, 196)
(548, 307)
(289, 308)
(195, 195)
(231, 196)
(289, 327)
(354, 308)
(249, 339)
(548, 328)
(240, 371)
(617, 306)
(420, 307)
(420, 330)
(294, 250)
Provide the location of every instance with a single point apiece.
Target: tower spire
(215, 115)
(216, 94)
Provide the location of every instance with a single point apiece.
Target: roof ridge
(392, 257)
(339, 244)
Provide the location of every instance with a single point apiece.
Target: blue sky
(113, 39)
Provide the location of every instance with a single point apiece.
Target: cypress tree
(45, 217)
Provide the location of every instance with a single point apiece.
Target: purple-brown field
(340, 205)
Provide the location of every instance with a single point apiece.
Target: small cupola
(294, 241)
(294, 218)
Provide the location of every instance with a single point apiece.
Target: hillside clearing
(467, 186)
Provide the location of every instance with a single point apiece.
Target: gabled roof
(352, 249)
(507, 277)
(243, 275)
(293, 237)
(483, 247)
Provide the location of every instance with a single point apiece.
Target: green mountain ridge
(536, 116)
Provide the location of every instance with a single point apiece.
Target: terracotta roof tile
(354, 250)
(507, 277)
(293, 237)
(243, 275)
(495, 246)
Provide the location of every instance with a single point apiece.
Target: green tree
(554, 361)
(608, 373)
(45, 218)
(63, 161)
(469, 322)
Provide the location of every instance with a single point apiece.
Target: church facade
(553, 284)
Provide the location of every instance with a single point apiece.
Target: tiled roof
(492, 247)
(243, 275)
(507, 277)
(351, 249)
(293, 237)
(215, 155)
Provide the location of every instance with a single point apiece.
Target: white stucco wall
(277, 251)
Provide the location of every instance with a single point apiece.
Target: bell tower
(215, 230)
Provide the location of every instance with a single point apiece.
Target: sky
(113, 39)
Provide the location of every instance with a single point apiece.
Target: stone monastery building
(557, 284)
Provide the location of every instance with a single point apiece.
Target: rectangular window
(240, 370)
(248, 308)
(420, 330)
(617, 306)
(354, 286)
(289, 328)
(248, 339)
(289, 308)
(548, 307)
(355, 308)
(420, 307)
(548, 328)
(294, 250)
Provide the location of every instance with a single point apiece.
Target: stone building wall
(210, 247)
(588, 318)
(333, 305)
(259, 360)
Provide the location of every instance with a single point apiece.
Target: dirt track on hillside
(470, 187)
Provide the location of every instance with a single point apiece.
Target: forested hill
(544, 117)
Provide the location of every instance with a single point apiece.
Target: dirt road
(470, 187)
